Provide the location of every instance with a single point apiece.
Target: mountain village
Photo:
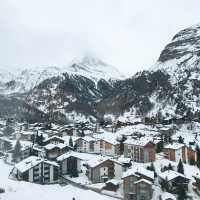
(84, 131)
(123, 160)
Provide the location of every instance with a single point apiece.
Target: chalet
(38, 151)
(55, 150)
(106, 146)
(54, 140)
(142, 172)
(69, 162)
(177, 151)
(174, 152)
(135, 187)
(68, 130)
(25, 135)
(173, 179)
(36, 170)
(140, 150)
(5, 144)
(109, 128)
(85, 144)
(102, 169)
(112, 185)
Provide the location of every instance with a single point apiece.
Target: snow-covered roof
(114, 181)
(108, 137)
(170, 175)
(82, 156)
(69, 154)
(174, 146)
(97, 161)
(139, 170)
(144, 180)
(138, 142)
(88, 139)
(30, 162)
(167, 196)
(124, 160)
(52, 146)
(54, 137)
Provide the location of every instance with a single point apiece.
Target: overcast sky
(128, 34)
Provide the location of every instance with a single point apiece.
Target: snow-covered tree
(17, 152)
(71, 142)
(180, 167)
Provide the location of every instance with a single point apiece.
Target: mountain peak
(182, 53)
(94, 68)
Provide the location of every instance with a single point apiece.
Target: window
(131, 196)
(142, 197)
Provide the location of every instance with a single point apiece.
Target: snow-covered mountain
(170, 88)
(182, 54)
(26, 79)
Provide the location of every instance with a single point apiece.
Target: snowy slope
(27, 79)
(22, 190)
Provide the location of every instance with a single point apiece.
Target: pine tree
(17, 152)
(180, 140)
(198, 156)
(181, 192)
(180, 167)
(71, 142)
(170, 167)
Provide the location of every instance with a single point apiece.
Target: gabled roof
(59, 146)
(143, 180)
(138, 142)
(170, 175)
(31, 162)
(174, 146)
(97, 161)
(54, 137)
(70, 154)
(87, 138)
(139, 170)
(81, 156)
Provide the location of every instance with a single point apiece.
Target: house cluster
(103, 157)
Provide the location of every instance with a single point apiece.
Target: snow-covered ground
(16, 190)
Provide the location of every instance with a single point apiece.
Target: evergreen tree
(81, 133)
(170, 167)
(181, 192)
(160, 146)
(152, 168)
(198, 156)
(180, 140)
(180, 167)
(17, 152)
(71, 142)
(39, 139)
